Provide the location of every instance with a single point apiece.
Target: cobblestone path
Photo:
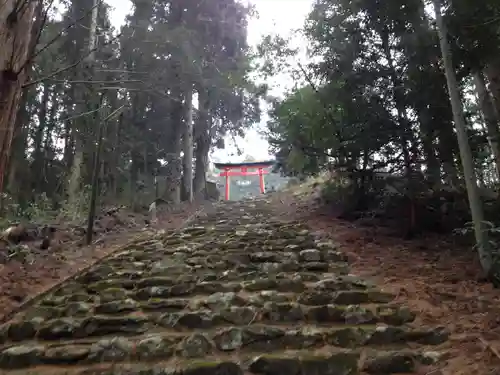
(234, 293)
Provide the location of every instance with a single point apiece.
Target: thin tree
(187, 174)
(89, 60)
(488, 262)
(95, 173)
(490, 120)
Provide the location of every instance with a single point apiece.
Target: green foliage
(493, 231)
(78, 211)
(299, 124)
(376, 95)
(164, 49)
(337, 191)
(273, 55)
(41, 208)
(474, 28)
(376, 100)
(40, 211)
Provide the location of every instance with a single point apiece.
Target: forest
(377, 254)
(398, 100)
(83, 104)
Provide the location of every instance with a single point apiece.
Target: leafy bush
(40, 210)
(78, 211)
(337, 191)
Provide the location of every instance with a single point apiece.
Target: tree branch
(54, 39)
(62, 70)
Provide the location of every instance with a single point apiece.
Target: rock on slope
(236, 293)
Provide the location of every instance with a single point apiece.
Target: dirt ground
(434, 276)
(20, 280)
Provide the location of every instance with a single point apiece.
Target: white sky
(275, 17)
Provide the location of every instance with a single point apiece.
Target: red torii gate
(244, 169)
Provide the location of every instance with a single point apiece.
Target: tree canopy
(171, 63)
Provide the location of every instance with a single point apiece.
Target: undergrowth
(41, 210)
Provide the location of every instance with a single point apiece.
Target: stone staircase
(235, 293)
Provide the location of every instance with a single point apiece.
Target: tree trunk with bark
(74, 183)
(16, 23)
(202, 139)
(19, 172)
(398, 103)
(187, 173)
(37, 167)
(174, 147)
(490, 118)
(492, 72)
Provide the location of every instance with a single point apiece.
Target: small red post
(261, 181)
(226, 172)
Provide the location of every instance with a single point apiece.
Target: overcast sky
(275, 16)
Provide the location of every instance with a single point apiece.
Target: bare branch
(120, 71)
(80, 60)
(97, 82)
(69, 118)
(54, 39)
(62, 70)
(115, 112)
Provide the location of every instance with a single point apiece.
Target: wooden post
(226, 172)
(261, 181)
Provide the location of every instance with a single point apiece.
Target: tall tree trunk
(492, 72)
(18, 163)
(446, 156)
(110, 150)
(115, 157)
(53, 185)
(82, 107)
(490, 118)
(68, 131)
(174, 162)
(134, 177)
(428, 134)
(187, 174)
(425, 56)
(37, 169)
(202, 139)
(398, 102)
(16, 23)
(201, 164)
(489, 264)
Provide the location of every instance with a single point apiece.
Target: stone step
(242, 294)
(326, 360)
(170, 269)
(214, 315)
(163, 345)
(198, 264)
(368, 334)
(238, 250)
(218, 310)
(102, 278)
(254, 292)
(249, 282)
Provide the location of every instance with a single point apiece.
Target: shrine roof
(262, 164)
